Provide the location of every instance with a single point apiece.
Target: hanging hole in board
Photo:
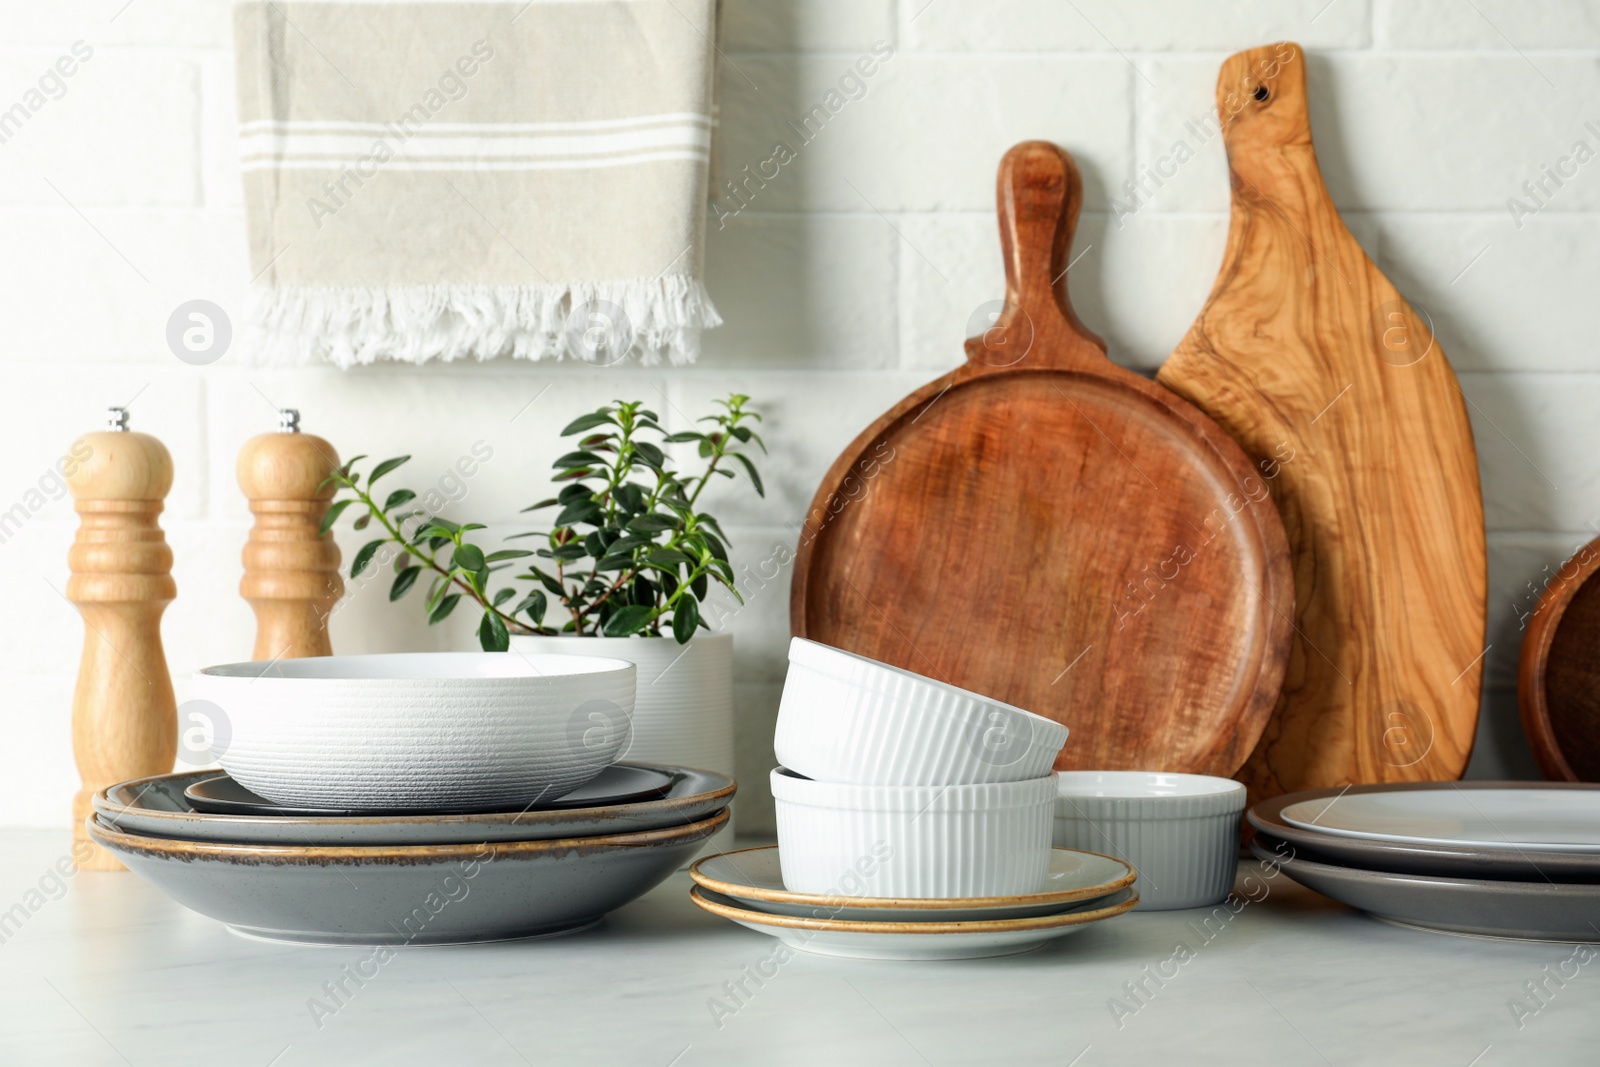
(1261, 93)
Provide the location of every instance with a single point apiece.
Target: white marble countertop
(107, 970)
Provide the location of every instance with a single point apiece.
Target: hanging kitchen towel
(438, 180)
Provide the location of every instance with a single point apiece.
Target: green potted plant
(622, 570)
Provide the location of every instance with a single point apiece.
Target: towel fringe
(594, 322)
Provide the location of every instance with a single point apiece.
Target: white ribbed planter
(1180, 831)
(986, 840)
(683, 704)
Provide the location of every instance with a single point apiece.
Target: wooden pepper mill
(124, 717)
(291, 571)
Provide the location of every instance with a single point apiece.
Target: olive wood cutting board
(1314, 363)
(1047, 528)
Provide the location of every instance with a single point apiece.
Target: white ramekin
(848, 719)
(1180, 831)
(989, 839)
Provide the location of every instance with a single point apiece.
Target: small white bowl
(1180, 831)
(436, 731)
(845, 718)
(986, 840)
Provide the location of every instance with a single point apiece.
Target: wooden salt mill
(124, 717)
(291, 572)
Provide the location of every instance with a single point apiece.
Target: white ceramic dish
(982, 840)
(845, 718)
(683, 711)
(754, 878)
(1513, 820)
(423, 730)
(1180, 831)
(913, 941)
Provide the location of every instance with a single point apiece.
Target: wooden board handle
(1261, 99)
(1040, 193)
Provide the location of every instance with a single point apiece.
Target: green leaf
(715, 545)
(333, 515)
(740, 432)
(398, 497)
(384, 468)
(364, 556)
(569, 552)
(574, 475)
(628, 620)
(544, 503)
(680, 438)
(697, 587)
(589, 422)
(362, 522)
(492, 633)
(685, 616)
(579, 458)
(503, 595)
(650, 454)
(652, 524)
(613, 563)
(535, 604)
(630, 496)
(446, 525)
(403, 582)
(467, 527)
(573, 493)
(667, 557)
(468, 558)
(507, 553)
(446, 606)
(585, 511)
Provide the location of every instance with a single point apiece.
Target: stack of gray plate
(397, 878)
(1494, 859)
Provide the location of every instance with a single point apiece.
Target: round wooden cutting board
(1045, 527)
(1310, 358)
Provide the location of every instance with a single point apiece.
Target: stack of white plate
(1078, 890)
(1493, 859)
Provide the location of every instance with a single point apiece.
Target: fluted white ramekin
(1180, 831)
(988, 839)
(845, 718)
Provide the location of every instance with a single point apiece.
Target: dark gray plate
(1432, 860)
(409, 895)
(619, 783)
(157, 806)
(1532, 911)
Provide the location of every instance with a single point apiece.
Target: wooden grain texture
(124, 717)
(291, 573)
(1045, 527)
(1313, 362)
(1558, 685)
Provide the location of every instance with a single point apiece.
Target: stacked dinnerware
(1492, 859)
(414, 799)
(914, 821)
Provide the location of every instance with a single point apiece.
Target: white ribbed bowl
(1180, 831)
(683, 711)
(441, 730)
(983, 840)
(845, 718)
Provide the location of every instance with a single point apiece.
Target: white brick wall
(848, 281)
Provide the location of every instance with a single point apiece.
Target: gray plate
(1533, 911)
(620, 783)
(157, 806)
(435, 894)
(1432, 860)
